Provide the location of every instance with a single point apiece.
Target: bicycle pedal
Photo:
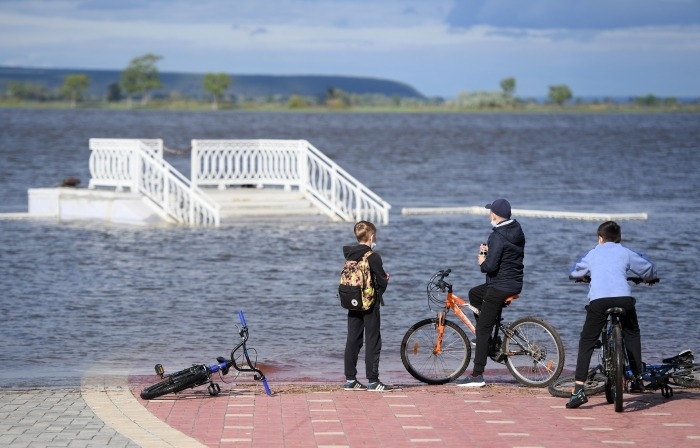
(160, 371)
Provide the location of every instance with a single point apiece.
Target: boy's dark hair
(610, 232)
(363, 230)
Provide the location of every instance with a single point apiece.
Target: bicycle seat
(615, 310)
(510, 299)
(686, 356)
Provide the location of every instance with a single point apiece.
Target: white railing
(287, 163)
(139, 166)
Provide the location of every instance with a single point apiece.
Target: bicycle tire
(534, 352)
(618, 358)
(687, 376)
(419, 359)
(177, 382)
(608, 368)
(562, 386)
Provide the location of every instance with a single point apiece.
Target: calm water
(77, 296)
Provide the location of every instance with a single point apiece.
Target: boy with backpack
(364, 319)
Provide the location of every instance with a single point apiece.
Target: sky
(440, 47)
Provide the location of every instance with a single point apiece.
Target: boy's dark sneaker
(636, 387)
(378, 386)
(577, 400)
(354, 385)
(472, 381)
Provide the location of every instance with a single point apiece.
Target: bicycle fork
(440, 332)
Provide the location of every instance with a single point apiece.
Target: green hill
(190, 85)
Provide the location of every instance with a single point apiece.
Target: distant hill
(190, 85)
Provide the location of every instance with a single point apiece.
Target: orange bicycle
(437, 350)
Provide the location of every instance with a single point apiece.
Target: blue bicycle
(200, 374)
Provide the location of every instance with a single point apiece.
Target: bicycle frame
(200, 374)
(455, 303)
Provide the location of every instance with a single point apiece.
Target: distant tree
(296, 102)
(74, 87)
(508, 87)
(670, 101)
(647, 101)
(24, 91)
(141, 76)
(559, 94)
(114, 92)
(337, 98)
(216, 84)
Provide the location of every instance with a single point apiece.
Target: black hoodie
(503, 265)
(376, 266)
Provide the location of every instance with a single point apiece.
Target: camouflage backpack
(356, 291)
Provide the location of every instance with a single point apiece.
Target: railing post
(194, 162)
(135, 156)
(303, 165)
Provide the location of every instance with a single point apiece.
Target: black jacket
(504, 262)
(376, 267)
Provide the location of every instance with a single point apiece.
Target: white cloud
(407, 41)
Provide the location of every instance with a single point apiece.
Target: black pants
(490, 303)
(595, 321)
(363, 325)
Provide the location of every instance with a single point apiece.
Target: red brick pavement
(420, 415)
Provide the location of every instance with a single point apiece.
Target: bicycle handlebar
(635, 280)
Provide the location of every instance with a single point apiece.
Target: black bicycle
(200, 374)
(614, 376)
(613, 355)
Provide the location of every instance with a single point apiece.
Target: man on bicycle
(501, 259)
(608, 265)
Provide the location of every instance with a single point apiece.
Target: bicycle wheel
(687, 376)
(179, 381)
(419, 357)
(618, 368)
(562, 386)
(534, 350)
(608, 367)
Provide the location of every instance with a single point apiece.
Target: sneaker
(577, 399)
(354, 385)
(636, 387)
(378, 386)
(472, 381)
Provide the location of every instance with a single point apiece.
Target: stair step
(267, 202)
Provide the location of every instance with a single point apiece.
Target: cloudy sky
(440, 47)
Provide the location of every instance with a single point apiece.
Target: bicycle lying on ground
(437, 350)
(200, 374)
(614, 376)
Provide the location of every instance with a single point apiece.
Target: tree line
(140, 78)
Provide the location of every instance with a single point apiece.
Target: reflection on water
(127, 297)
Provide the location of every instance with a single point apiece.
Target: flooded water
(80, 295)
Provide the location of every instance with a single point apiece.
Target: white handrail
(291, 164)
(139, 166)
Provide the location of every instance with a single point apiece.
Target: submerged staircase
(239, 204)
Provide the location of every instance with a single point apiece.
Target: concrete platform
(125, 207)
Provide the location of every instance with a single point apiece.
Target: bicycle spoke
(420, 359)
(535, 354)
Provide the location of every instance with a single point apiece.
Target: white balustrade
(139, 166)
(291, 164)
